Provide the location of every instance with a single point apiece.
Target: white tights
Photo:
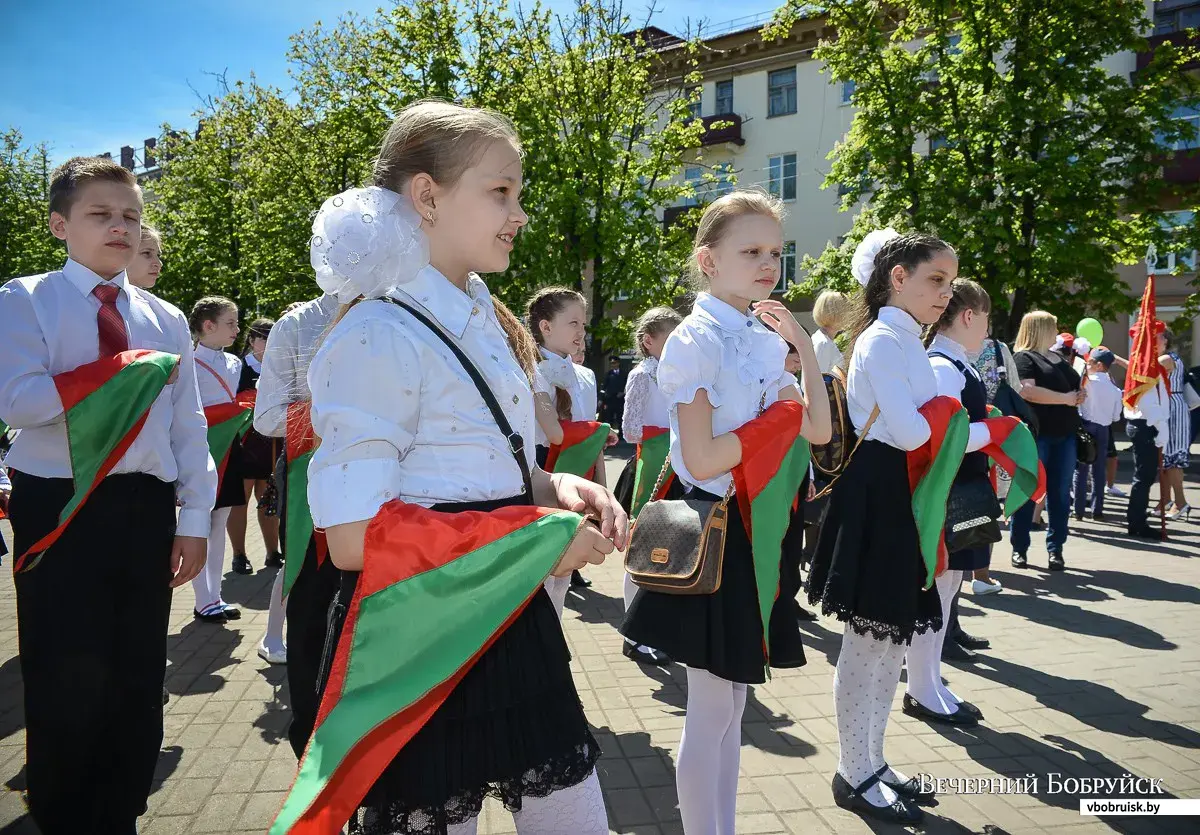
(557, 588)
(864, 684)
(207, 584)
(273, 640)
(578, 810)
(706, 773)
(925, 655)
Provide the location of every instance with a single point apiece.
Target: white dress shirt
(290, 349)
(48, 326)
(736, 359)
(951, 381)
(890, 368)
(1154, 407)
(828, 353)
(1103, 404)
(576, 380)
(225, 366)
(644, 401)
(399, 417)
(589, 393)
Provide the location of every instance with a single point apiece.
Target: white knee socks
(860, 689)
(557, 588)
(925, 655)
(273, 640)
(578, 810)
(207, 584)
(709, 754)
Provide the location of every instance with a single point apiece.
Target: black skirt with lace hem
(512, 728)
(867, 568)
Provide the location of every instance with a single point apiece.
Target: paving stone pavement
(1093, 672)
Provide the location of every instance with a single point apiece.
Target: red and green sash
(227, 423)
(298, 529)
(931, 471)
(1014, 450)
(436, 590)
(774, 463)
(582, 443)
(105, 404)
(652, 455)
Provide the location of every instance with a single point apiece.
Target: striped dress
(1175, 454)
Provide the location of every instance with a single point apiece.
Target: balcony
(1155, 41)
(730, 132)
(1182, 168)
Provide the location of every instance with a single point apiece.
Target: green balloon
(1091, 330)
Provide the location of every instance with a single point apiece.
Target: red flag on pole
(1144, 370)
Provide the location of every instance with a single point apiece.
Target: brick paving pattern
(1093, 672)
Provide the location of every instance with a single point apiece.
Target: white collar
(899, 320)
(254, 362)
(724, 315)
(211, 353)
(453, 308)
(85, 281)
(943, 344)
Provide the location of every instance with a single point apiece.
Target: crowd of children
(405, 423)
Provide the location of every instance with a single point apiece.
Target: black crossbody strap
(516, 443)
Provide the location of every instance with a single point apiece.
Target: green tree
(996, 126)
(26, 245)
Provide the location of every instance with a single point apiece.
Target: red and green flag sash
(298, 528)
(1014, 450)
(436, 590)
(105, 404)
(774, 463)
(582, 443)
(227, 423)
(931, 471)
(652, 455)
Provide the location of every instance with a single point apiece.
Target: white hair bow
(367, 241)
(863, 262)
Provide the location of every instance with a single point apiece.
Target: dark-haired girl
(873, 576)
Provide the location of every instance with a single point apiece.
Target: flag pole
(1151, 261)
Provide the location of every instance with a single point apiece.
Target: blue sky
(88, 77)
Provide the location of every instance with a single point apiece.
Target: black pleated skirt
(867, 568)
(624, 489)
(722, 632)
(258, 455)
(232, 492)
(512, 728)
(970, 559)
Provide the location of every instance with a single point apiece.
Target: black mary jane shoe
(960, 718)
(970, 710)
(274, 560)
(241, 564)
(578, 581)
(901, 811)
(1019, 560)
(910, 789)
(645, 655)
(214, 617)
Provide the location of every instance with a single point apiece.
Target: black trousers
(307, 623)
(1145, 472)
(92, 619)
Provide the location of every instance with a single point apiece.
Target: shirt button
(474, 310)
(516, 399)
(749, 324)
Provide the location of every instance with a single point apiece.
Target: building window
(781, 92)
(1176, 20)
(1167, 262)
(936, 142)
(781, 176)
(1191, 115)
(693, 175)
(696, 108)
(724, 97)
(847, 91)
(787, 267)
(725, 180)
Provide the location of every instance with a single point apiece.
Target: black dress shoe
(1055, 562)
(1078, 517)
(645, 655)
(970, 709)
(214, 617)
(901, 810)
(578, 581)
(241, 564)
(803, 614)
(910, 788)
(1037, 526)
(166, 696)
(1019, 560)
(1146, 533)
(232, 612)
(952, 651)
(274, 560)
(960, 718)
(1097, 517)
(970, 641)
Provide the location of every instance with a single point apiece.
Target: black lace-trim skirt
(867, 569)
(624, 489)
(514, 727)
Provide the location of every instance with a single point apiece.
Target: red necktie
(113, 337)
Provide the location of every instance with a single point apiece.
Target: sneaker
(278, 656)
(1055, 561)
(1118, 492)
(241, 564)
(231, 612)
(1019, 560)
(981, 587)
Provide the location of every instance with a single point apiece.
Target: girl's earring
(430, 218)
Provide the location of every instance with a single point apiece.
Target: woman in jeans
(1052, 387)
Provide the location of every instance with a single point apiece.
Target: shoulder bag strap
(862, 436)
(516, 443)
(213, 372)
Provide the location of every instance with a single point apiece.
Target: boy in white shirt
(1099, 412)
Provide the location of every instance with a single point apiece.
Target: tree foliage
(997, 126)
(26, 245)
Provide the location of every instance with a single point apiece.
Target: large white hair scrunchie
(863, 262)
(366, 242)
